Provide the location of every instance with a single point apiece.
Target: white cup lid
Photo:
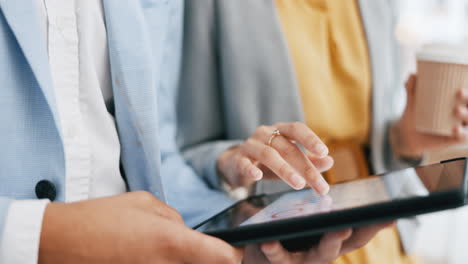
(456, 54)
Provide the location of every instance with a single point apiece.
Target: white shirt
(79, 64)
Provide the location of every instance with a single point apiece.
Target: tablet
(299, 218)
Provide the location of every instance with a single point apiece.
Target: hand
(331, 246)
(255, 159)
(129, 228)
(411, 143)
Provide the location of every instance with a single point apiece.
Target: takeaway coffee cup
(442, 72)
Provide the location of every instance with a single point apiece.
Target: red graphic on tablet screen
(288, 213)
(292, 205)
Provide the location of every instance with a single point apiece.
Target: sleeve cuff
(22, 232)
(212, 172)
(400, 161)
(204, 160)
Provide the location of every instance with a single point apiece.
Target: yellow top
(329, 52)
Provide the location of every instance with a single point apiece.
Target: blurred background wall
(430, 21)
(443, 237)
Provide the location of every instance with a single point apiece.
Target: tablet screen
(408, 183)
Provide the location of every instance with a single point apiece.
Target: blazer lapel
(135, 93)
(23, 19)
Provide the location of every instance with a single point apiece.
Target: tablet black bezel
(332, 221)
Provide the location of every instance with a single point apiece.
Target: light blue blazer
(144, 39)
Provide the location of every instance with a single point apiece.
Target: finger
(460, 134)
(433, 142)
(463, 95)
(270, 158)
(461, 113)
(247, 171)
(267, 173)
(362, 236)
(253, 254)
(196, 247)
(322, 164)
(302, 134)
(330, 246)
(411, 87)
(275, 253)
(294, 156)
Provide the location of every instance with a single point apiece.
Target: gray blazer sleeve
(203, 158)
(200, 114)
(199, 101)
(235, 76)
(380, 18)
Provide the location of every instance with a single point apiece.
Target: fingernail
(461, 130)
(464, 93)
(322, 186)
(256, 174)
(298, 181)
(321, 150)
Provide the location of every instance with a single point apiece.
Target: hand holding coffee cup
(442, 75)
(437, 98)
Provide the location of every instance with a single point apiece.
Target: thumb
(411, 88)
(201, 248)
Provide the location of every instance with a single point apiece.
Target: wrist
(402, 144)
(223, 166)
(52, 231)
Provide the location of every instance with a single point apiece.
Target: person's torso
(250, 81)
(79, 64)
(328, 48)
(32, 135)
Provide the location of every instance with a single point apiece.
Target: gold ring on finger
(273, 136)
